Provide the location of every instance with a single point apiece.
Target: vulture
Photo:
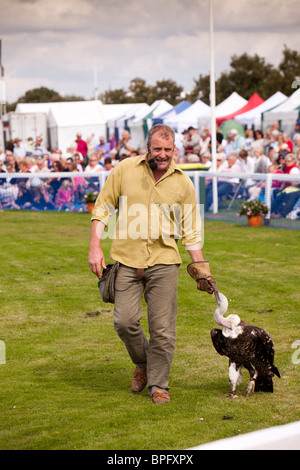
(246, 346)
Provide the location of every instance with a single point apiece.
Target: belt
(139, 273)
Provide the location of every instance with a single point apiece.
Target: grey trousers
(159, 286)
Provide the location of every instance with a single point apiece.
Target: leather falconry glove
(201, 273)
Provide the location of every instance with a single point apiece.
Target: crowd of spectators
(257, 152)
(60, 193)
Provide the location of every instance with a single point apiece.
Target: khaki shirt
(152, 216)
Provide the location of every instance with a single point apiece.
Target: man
(235, 142)
(19, 151)
(192, 141)
(148, 254)
(81, 145)
(39, 150)
(225, 185)
(126, 145)
(104, 147)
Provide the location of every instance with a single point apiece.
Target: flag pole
(213, 110)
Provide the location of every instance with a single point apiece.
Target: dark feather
(253, 349)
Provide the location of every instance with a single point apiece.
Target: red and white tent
(253, 102)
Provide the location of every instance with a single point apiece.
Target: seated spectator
(108, 166)
(112, 142)
(296, 141)
(246, 162)
(76, 180)
(291, 167)
(191, 143)
(80, 205)
(249, 139)
(226, 186)
(42, 199)
(30, 162)
(2, 180)
(64, 199)
(10, 158)
(286, 200)
(192, 158)
(39, 150)
(261, 161)
(104, 147)
(9, 191)
(25, 197)
(39, 167)
(235, 142)
(77, 160)
(94, 166)
(19, 149)
(205, 141)
(287, 141)
(67, 164)
(247, 165)
(55, 183)
(126, 145)
(206, 159)
(29, 147)
(258, 141)
(70, 152)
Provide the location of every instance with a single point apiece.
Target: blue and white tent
(178, 108)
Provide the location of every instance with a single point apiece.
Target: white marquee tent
(199, 115)
(118, 123)
(233, 103)
(253, 117)
(287, 113)
(67, 118)
(140, 125)
(195, 116)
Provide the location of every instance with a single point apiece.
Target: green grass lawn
(66, 380)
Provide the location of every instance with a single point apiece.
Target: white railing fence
(13, 184)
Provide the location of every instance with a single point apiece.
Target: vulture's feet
(232, 395)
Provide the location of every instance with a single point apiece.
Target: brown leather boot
(139, 380)
(160, 397)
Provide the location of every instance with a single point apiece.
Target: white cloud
(55, 43)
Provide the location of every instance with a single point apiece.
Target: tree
(40, 95)
(201, 90)
(139, 92)
(289, 69)
(117, 96)
(247, 76)
(167, 90)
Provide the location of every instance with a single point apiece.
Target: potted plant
(255, 211)
(90, 199)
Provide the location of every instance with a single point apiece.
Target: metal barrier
(15, 187)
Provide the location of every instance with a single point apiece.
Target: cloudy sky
(56, 43)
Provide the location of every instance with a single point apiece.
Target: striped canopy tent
(253, 102)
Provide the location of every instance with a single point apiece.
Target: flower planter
(90, 206)
(254, 220)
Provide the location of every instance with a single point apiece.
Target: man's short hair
(163, 129)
